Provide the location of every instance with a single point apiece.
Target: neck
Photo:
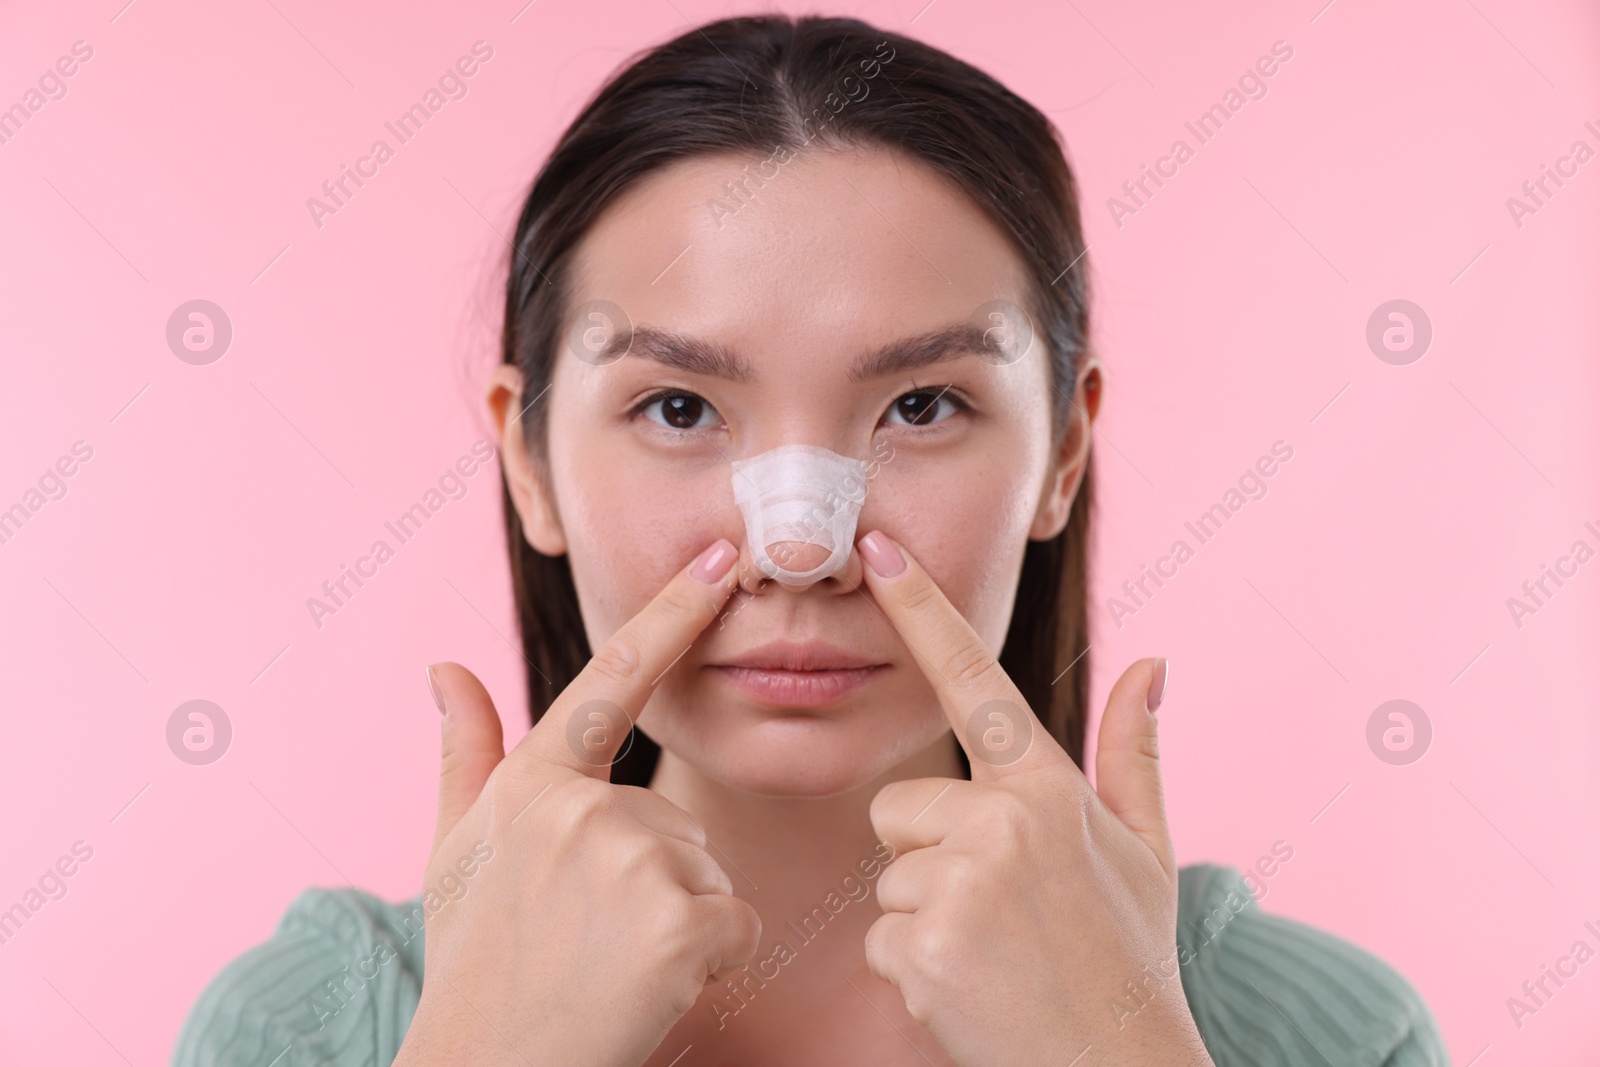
(783, 853)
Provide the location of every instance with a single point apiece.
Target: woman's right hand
(593, 915)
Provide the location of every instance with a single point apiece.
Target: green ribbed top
(338, 982)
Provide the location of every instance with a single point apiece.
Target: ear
(530, 493)
(1068, 464)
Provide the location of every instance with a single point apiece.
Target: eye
(679, 411)
(923, 407)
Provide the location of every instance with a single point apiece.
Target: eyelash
(940, 392)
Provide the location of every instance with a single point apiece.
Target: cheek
(630, 526)
(966, 520)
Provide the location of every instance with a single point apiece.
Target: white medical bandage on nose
(800, 501)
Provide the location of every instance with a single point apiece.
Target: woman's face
(837, 256)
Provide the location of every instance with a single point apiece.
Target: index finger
(992, 721)
(587, 723)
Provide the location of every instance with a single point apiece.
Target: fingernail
(714, 562)
(884, 559)
(433, 687)
(1158, 687)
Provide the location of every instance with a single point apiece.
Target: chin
(798, 752)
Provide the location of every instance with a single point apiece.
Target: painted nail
(433, 687)
(881, 555)
(714, 562)
(1158, 686)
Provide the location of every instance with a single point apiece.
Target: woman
(835, 820)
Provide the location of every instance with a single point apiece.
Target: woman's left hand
(1027, 919)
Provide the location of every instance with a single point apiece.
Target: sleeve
(336, 984)
(1265, 989)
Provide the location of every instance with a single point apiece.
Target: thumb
(471, 743)
(1128, 761)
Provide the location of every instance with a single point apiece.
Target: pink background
(1230, 310)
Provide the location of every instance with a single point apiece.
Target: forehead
(856, 245)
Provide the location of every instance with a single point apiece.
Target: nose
(798, 556)
(800, 504)
(805, 557)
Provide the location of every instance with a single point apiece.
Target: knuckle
(961, 877)
(1008, 816)
(1148, 747)
(885, 804)
(678, 817)
(618, 660)
(935, 951)
(713, 872)
(682, 996)
(886, 950)
(637, 854)
(574, 806)
(746, 921)
(917, 1008)
(969, 664)
(653, 809)
(678, 929)
(919, 598)
(677, 601)
(889, 882)
(877, 950)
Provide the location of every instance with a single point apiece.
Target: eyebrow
(696, 355)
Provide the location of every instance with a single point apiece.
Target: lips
(800, 656)
(787, 674)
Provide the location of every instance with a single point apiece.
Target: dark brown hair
(758, 86)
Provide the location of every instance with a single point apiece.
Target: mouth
(787, 674)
